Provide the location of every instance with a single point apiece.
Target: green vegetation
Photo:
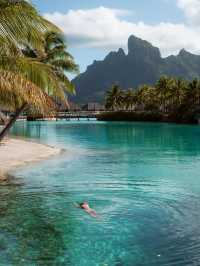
(170, 99)
(142, 64)
(33, 61)
(131, 116)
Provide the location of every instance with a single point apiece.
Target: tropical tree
(150, 98)
(57, 55)
(193, 93)
(58, 58)
(141, 94)
(3, 118)
(27, 81)
(177, 93)
(130, 99)
(114, 98)
(163, 87)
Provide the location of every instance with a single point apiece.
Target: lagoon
(142, 178)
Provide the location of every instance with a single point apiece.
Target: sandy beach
(17, 152)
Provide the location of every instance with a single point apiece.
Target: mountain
(142, 65)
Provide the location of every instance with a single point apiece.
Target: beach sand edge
(15, 152)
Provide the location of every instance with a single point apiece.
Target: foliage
(142, 64)
(33, 59)
(130, 116)
(174, 98)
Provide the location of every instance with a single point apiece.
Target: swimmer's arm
(76, 205)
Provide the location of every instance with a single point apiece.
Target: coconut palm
(129, 99)
(177, 93)
(114, 98)
(56, 55)
(177, 99)
(27, 81)
(150, 99)
(193, 93)
(140, 96)
(163, 87)
(3, 118)
(20, 24)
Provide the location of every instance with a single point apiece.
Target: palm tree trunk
(3, 118)
(8, 126)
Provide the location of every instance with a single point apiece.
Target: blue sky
(95, 27)
(152, 11)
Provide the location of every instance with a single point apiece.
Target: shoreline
(144, 116)
(16, 153)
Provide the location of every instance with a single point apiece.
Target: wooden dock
(78, 115)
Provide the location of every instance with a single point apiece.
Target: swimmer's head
(83, 204)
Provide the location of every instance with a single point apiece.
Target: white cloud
(108, 28)
(191, 9)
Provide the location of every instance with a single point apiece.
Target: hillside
(142, 65)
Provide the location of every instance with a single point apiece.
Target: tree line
(174, 97)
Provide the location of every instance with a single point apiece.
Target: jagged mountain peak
(115, 55)
(142, 65)
(183, 52)
(121, 52)
(142, 48)
(137, 43)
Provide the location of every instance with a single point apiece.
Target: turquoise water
(142, 179)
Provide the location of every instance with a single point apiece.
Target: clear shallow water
(143, 180)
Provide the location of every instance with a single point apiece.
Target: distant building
(61, 106)
(93, 107)
(74, 107)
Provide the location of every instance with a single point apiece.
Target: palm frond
(65, 65)
(15, 90)
(27, 74)
(42, 75)
(54, 38)
(21, 24)
(66, 84)
(59, 52)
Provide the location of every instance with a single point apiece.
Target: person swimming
(85, 206)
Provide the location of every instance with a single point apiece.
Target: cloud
(191, 10)
(109, 29)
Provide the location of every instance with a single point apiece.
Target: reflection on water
(170, 137)
(143, 180)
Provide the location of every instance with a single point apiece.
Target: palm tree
(57, 56)
(114, 98)
(178, 91)
(177, 99)
(26, 81)
(129, 99)
(147, 98)
(188, 106)
(193, 93)
(150, 99)
(140, 95)
(163, 87)
(3, 118)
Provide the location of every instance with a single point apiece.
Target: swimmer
(85, 206)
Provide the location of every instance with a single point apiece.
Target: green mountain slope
(142, 65)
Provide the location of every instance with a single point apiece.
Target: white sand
(16, 152)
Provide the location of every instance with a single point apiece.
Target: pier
(76, 115)
(88, 115)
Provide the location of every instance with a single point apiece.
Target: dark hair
(81, 205)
